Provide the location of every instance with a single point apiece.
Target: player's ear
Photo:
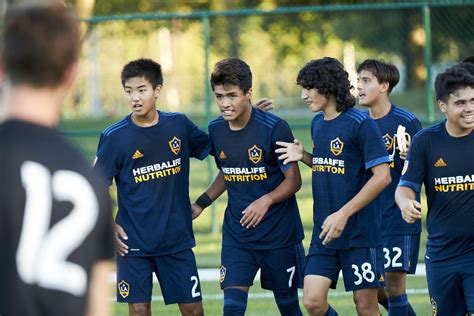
(442, 106)
(248, 95)
(384, 87)
(157, 91)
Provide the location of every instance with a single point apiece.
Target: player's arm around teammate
(342, 139)
(262, 228)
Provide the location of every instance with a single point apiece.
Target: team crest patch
(175, 145)
(336, 146)
(222, 272)
(255, 154)
(405, 167)
(434, 307)
(124, 288)
(388, 141)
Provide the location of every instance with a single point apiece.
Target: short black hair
(383, 71)
(232, 71)
(328, 76)
(469, 59)
(146, 68)
(451, 80)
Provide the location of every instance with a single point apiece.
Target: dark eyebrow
(142, 86)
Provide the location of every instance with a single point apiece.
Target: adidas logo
(222, 155)
(381, 279)
(137, 154)
(440, 163)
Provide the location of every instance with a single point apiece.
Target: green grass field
(86, 133)
(261, 303)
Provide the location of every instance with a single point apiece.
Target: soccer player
(147, 153)
(55, 215)
(441, 157)
(350, 169)
(262, 227)
(401, 241)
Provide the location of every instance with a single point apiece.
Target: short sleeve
(281, 132)
(413, 127)
(106, 161)
(199, 142)
(371, 142)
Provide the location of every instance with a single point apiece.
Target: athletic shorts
(451, 288)
(362, 268)
(401, 253)
(176, 273)
(281, 269)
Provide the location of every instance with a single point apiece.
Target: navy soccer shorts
(401, 253)
(362, 268)
(281, 268)
(177, 274)
(451, 287)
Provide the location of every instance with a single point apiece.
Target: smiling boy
(441, 157)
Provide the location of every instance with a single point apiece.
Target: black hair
(383, 71)
(232, 71)
(451, 80)
(328, 76)
(469, 59)
(143, 67)
(468, 66)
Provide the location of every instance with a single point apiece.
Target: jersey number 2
(42, 252)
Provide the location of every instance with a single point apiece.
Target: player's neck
(380, 108)
(456, 131)
(35, 105)
(330, 110)
(150, 119)
(241, 121)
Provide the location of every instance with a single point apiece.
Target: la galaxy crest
(255, 154)
(388, 141)
(336, 146)
(124, 288)
(222, 272)
(175, 145)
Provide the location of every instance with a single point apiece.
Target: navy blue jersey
(344, 151)
(444, 164)
(392, 221)
(150, 166)
(251, 169)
